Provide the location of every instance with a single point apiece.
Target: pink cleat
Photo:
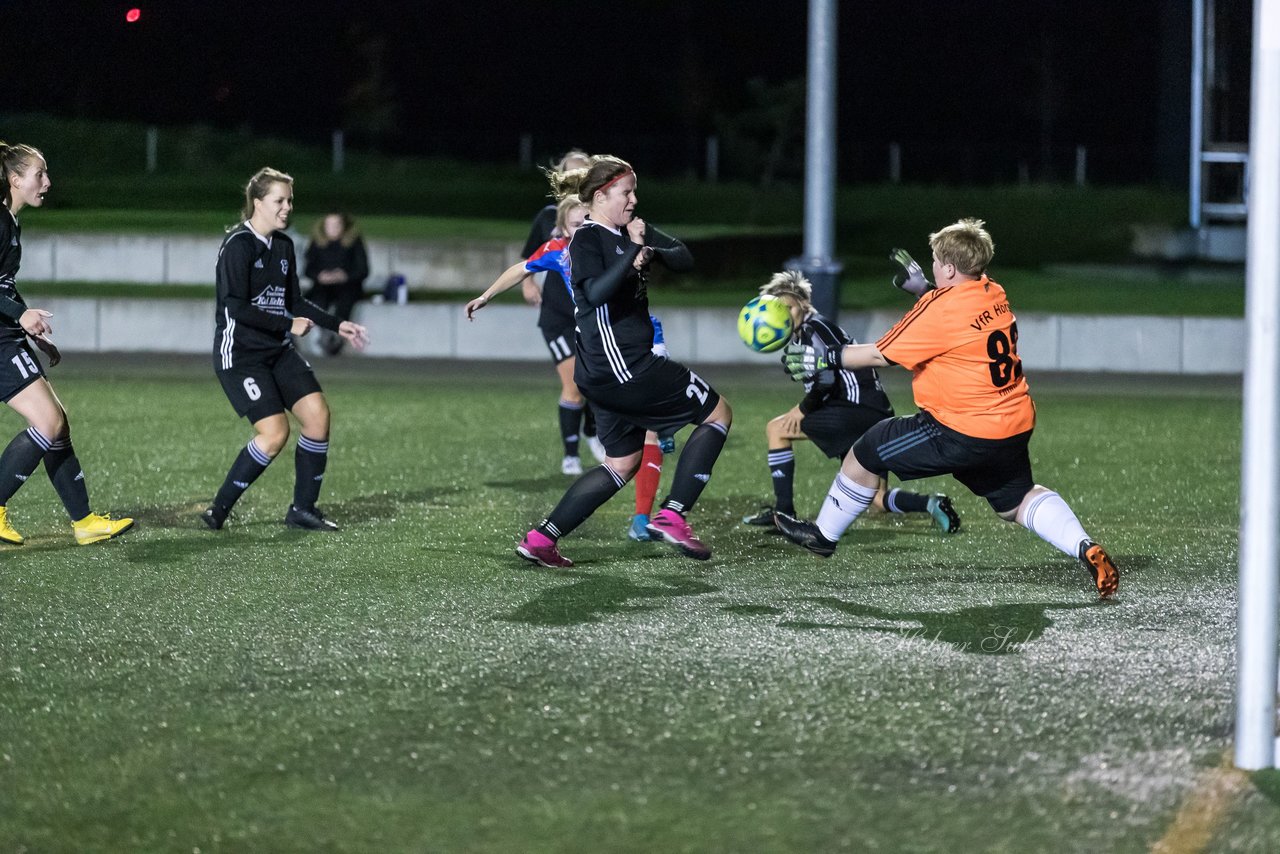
(671, 527)
(540, 549)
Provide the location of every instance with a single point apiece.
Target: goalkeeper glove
(911, 278)
(803, 360)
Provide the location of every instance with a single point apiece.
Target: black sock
(694, 468)
(901, 501)
(19, 460)
(782, 469)
(570, 417)
(244, 471)
(581, 500)
(309, 460)
(68, 479)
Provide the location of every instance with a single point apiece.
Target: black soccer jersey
(614, 333)
(12, 305)
(861, 387)
(258, 297)
(556, 310)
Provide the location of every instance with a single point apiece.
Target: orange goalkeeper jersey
(961, 345)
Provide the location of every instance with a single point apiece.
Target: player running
(960, 341)
(838, 407)
(259, 308)
(633, 389)
(22, 382)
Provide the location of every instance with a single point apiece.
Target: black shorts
(918, 446)
(560, 342)
(268, 387)
(835, 426)
(663, 398)
(19, 368)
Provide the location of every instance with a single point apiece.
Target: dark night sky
(1008, 79)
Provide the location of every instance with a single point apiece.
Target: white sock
(845, 501)
(1050, 519)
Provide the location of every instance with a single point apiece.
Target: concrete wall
(188, 260)
(698, 336)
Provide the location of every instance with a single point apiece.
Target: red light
(133, 15)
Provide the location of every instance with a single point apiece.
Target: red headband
(615, 179)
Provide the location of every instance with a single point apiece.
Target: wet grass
(408, 684)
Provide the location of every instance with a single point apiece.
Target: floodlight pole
(817, 263)
(1256, 653)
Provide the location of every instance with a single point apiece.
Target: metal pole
(1197, 111)
(895, 163)
(153, 148)
(339, 152)
(1082, 156)
(819, 161)
(713, 159)
(526, 151)
(819, 150)
(1256, 653)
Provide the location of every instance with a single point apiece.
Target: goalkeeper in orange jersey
(960, 342)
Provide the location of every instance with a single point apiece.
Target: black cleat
(804, 534)
(763, 518)
(215, 517)
(943, 513)
(308, 520)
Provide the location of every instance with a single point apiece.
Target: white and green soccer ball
(764, 324)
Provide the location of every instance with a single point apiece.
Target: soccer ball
(764, 324)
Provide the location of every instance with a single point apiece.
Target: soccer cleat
(541, 550)
(571, 465)
(214, 517)
(670, 526)
(804, 534)
(7, 534)
(308, 520)
(943, 513)
(639, 528)
(762, 518)
(1105, 575)
(94, 528)
(597, 448)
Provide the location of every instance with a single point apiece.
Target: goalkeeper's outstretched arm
(804, 360)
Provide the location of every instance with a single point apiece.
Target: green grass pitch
(409, 685)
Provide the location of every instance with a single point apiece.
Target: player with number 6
(260, 310)
(960, 342)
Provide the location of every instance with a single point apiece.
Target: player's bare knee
(1015, 514)
(624, 467)
(271, 436)
(773, 431)
(56, 426)
(722, 415)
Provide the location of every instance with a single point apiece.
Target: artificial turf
(409, 684)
